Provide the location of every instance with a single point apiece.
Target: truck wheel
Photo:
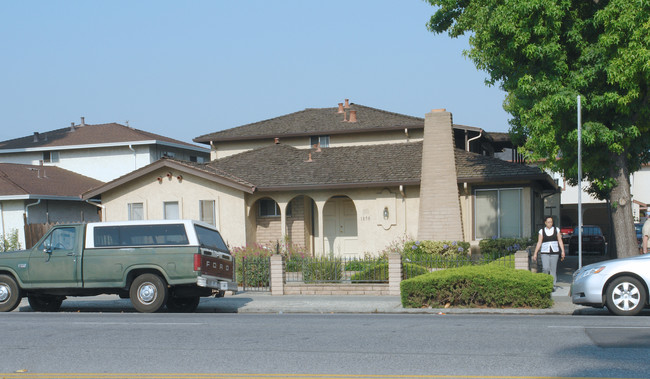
(10, 294)
(45, 303)
(625, 296)
(148, 293)
(183, 304)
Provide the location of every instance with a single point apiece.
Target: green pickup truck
(170, 263)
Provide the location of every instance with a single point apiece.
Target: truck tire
(625, 296)
(45, 303)
(148, 293)
(10, 294)
(183, 304)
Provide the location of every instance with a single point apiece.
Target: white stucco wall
(11, 218)
(229, 203)
(103, 163)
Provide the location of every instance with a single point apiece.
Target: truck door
(53, 263)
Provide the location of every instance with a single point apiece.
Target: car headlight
(585, 273)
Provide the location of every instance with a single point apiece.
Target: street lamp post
(579, 186)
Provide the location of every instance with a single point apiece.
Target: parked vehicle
(620, 284)
(593, 240)
(566, 234)
(154, 263)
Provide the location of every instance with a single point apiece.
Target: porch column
(320, 241)
(283, 219)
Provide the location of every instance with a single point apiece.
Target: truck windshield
(210, 238)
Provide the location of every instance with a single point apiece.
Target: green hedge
(497, 247)
(379, 273)
(488, 286)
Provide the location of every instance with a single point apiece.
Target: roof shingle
(42, 181)
(316, 121)
(87, 135)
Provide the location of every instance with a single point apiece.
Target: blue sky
(188, 68)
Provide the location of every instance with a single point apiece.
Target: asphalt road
(352, 345)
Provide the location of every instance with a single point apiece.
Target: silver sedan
(620, 284)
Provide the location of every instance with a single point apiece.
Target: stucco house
(347, 180)
(82, 148)
(36, 194)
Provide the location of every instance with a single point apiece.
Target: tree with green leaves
(543, 54)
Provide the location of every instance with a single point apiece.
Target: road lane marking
(26, 375)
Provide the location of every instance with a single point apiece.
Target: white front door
(340, 227)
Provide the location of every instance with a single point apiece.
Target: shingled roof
(313, 121)
(30, 181)
(282, 167)
(88, 134)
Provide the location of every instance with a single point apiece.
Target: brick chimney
(440, 217)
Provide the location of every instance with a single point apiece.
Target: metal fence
(254, 274)
(336, 270)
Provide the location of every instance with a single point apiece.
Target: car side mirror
(47, 249)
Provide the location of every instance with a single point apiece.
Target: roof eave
(319, 186)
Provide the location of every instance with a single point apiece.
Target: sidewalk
(264, 302)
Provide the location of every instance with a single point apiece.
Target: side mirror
(47, 248)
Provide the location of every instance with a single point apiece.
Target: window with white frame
(171, 210)
(498, 213)
(324, 141)
(136, 211)
(50, 156)
(207, 211)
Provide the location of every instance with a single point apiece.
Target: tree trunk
(622, 219)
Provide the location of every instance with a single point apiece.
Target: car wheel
(10, 294)
(625, 296)
(148, 293)
(45, 303)
(183, 304)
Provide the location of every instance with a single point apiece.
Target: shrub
(363, 264)
(10, 241)
(379, 273)
(322, 270)
(497, 247)
(437, 254)
(478, 286)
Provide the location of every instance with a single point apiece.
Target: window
(323, 140)
(194, 158)
(60, 239)
(136, 211)
(498, 213)
(169, 154)
(170, 210)
(135, 235)
(207, 211)
(209, 237)
(269, 208)
(50, 156)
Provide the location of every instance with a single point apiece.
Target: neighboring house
(103, 152)
(347, 180)
(36, 194)
(596, 212)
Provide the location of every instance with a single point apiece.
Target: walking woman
(550, 243)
